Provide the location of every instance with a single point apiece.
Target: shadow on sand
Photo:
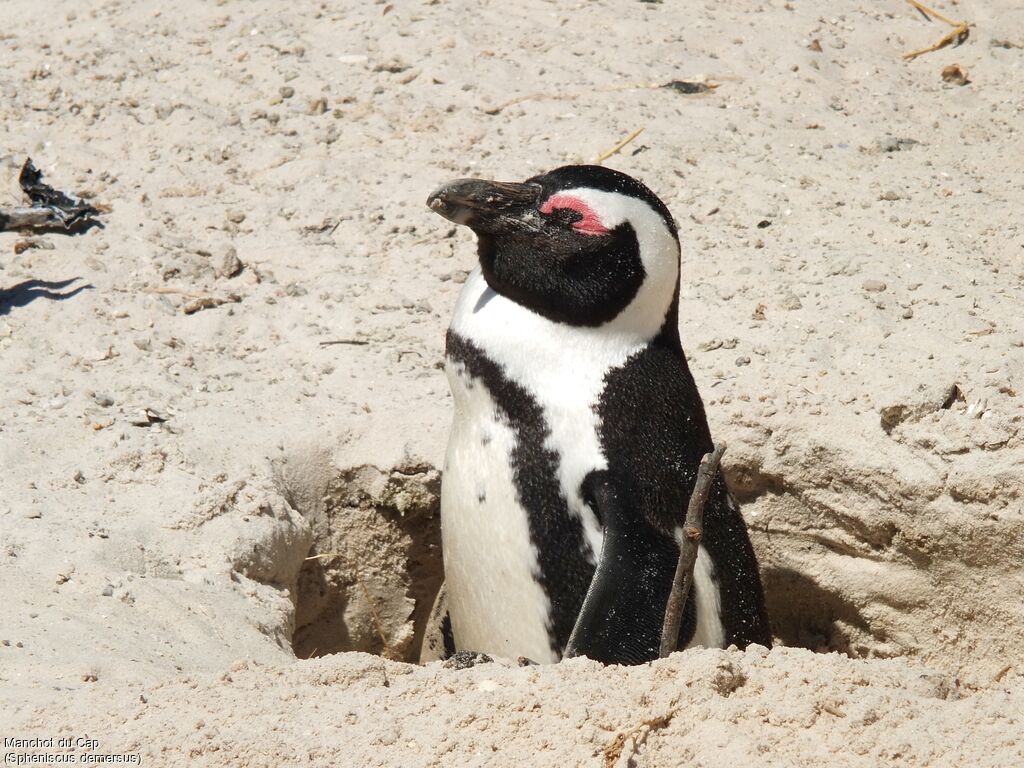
(28, 291)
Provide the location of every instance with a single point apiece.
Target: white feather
(710, 631)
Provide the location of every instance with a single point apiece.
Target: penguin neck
(514, 335)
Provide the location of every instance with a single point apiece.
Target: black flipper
(622, 614)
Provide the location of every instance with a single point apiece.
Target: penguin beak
(488, 207)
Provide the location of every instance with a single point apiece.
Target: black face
(550, 252)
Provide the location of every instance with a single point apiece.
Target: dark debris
(50, 209)
(688, 87)
(466, 660)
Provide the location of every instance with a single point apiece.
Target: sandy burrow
(850, 306)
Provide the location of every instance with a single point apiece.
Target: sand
(851, 275)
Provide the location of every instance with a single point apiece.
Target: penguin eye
(571, 211)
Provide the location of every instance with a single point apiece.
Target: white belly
(494, 599)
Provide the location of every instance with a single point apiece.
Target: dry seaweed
(50, 209)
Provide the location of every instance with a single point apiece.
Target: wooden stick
(356, 342)
(605, 155)
(961, 30)
(932, 12)
(573, 95)
(693, 531)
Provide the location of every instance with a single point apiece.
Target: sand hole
(375, 562)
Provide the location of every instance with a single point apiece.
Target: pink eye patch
(590, 224)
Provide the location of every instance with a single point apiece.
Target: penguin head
(582, 244)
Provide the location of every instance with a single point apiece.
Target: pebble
(742, 360)
(908, 313)
(791, 302)
(235, 217)
(394, 66)
(108, 591)
(889, 195)
(873, 286)
(955, 74)
(231, 265)
(893, 144)
(102, 399)
(286, 91)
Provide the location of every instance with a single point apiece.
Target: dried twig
(957, 35)
(613, 751)
(693, 530)
(354, 342)
(573, 95)
(209, 302)
(605, 155)
(50, 208)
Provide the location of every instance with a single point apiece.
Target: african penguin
(578, 430)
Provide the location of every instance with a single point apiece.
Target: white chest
(555, 374)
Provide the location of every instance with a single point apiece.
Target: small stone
(57, 402)
(102, 400)
(791, 302)
(235, 217)
(317, 106)
(894, 144)
(286, 91)
(742, 360)
(394, 66)
(908, 313)
(108, 591)
(78, 477)
(873, 286)
(231, 265)
(889, 195)
(955, 74)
